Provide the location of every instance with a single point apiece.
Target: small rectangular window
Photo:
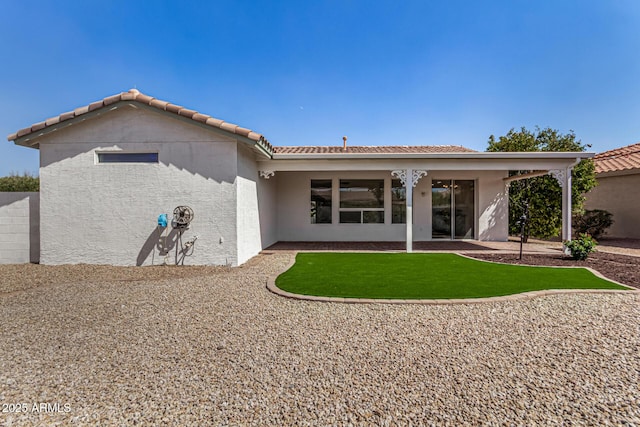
(120, 157)
(350, 217)
(321, 201)
(373, 217)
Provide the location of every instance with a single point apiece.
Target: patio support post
(566, 209)
(409, 179)
(563, 176)
(409, 211)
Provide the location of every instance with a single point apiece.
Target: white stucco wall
(19, 227)
(618, 195)
(493, 207)
(268, 209)
(293, 196)
(107, 213)
(253, 216)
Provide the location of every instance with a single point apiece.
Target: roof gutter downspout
(575, 163)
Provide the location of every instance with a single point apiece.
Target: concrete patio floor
(432, 246)
(629, 247)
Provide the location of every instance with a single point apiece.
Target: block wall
(19, 228)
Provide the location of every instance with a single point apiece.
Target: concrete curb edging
(271, 286)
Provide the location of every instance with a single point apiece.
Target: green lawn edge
(424, 276)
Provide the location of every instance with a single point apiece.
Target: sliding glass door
(453, 209)
(464, 208)
(441, 209)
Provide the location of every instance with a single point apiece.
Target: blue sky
(309, 72)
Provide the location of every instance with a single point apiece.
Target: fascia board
(32, 140)
(427, 164)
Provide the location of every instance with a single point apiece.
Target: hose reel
(182, 217)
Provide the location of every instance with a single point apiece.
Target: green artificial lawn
(424, 276)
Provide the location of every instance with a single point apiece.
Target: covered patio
(409, 212)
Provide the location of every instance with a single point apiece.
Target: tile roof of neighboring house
(383, 149)
(135, 95)
(619, 159)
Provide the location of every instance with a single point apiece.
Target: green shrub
(593, 222)
(581, 247)
(24, 182)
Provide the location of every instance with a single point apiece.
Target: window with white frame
(361, 201)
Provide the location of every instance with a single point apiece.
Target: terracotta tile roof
(135, 95)
(619, 159)
(382, 149)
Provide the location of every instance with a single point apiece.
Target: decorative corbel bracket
(266, 174)
(401, 174)
(559, 175)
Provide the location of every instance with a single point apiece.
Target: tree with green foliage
(542, 195)
(24, 182)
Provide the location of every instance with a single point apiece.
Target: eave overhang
(430, 161)
(31, 136)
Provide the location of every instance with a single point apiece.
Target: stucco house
(108, 170)
(618, 190)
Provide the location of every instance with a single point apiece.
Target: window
(398, 202)
(362, 201)
(120, 157)
(320, 201)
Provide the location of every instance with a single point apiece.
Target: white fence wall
(19, 228)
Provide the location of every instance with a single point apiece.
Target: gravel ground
(216, 348)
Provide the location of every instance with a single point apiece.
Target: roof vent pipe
(344, 143)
